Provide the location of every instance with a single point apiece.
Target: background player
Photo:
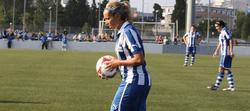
(225, 45)
(190, 39)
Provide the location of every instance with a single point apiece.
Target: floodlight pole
(142, 18)
(13, 18)
(190, 14)
(56, 16)
(208, 21)
(24, 13)
(99, 17)
(50, 16)
(156, 20)
(177, 26)
(173, 31)
(99, 11)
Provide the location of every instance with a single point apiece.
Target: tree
(157, 12)
(93, 17)
(102, 7)
(202, 28)
(61, 15)
(76, 13)
(239, 24)
(179, 13)
(245, 33)
(29, 18)
(1, 13)
(86, 28)
(243, 26)
(6, 8)
(41, 12)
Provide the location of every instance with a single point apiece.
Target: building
(216, 13)
(222, 3)
(240, 5)
(167, 14)
(201, 14)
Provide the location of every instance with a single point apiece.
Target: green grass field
(66, 81)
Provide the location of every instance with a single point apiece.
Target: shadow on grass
(18, 102)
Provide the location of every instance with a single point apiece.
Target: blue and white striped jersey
(192, 38)
(224, 39)
(128, 43)
(64, 39)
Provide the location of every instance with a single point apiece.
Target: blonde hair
(121, 8)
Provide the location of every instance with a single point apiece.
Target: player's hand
(102, 77)
(186, 44)
(112, 64)
(215, 54)
(232, 54)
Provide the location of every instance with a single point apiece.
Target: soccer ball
(101, 70)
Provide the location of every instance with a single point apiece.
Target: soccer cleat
(228, 89)
(213, 87)
(185, 65)
(191, 64)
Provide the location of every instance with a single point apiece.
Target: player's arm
(230, 44)
(231, 48)
(185, 39)
(134, 47)
(138, 59)
(216, 52)
(199, 39)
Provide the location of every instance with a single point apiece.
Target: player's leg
(230, 80)
(134, 98)
(229, 73)
(186, 56)
(64, 47)
(220, 75)
(192, 59)
(118, 97)
(143, 101)
(43, 45)
(218, 80)
(9, 44)
(131, 98)
(193, 56)
(46, 45)
(127, 98)
(186, 59)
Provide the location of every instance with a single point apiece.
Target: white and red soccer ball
(101, 65)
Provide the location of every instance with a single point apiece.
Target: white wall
(109, 47)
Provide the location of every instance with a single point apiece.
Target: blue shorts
(130, 97)
(190, 50)
(226, 61)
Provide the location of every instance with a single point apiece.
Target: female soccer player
(64, 41)
(135, 85)
(190, 39)
(226, 47)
